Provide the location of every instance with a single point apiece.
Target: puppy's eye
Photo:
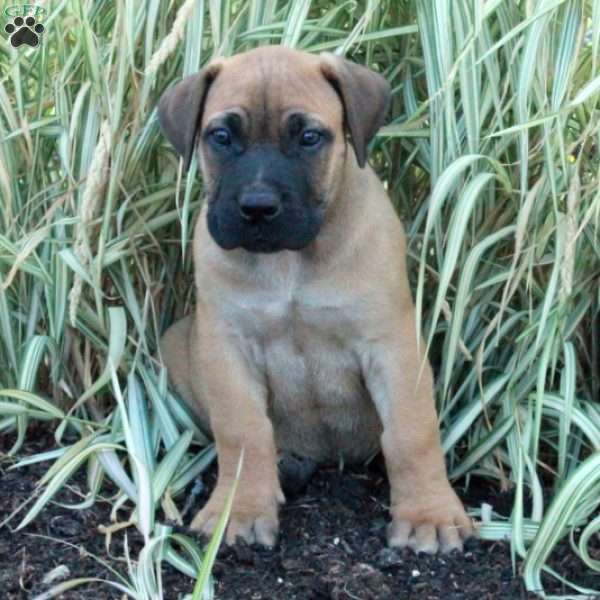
(310, 138)
(221, 136)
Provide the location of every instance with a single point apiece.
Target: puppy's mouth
(260, 243)
(262, 247)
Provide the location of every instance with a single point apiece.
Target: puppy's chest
(302, 343)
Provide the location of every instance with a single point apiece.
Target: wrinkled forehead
(269, 86)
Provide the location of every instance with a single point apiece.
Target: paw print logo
(24, 31)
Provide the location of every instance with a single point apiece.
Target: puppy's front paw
(253, 515)
(428, 523)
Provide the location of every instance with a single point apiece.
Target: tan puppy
(303, 339)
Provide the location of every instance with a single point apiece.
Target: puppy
(303, 338)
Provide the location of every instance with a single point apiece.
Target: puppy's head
(272, 128)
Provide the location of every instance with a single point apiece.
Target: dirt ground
(332, 546)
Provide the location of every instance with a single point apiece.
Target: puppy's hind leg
(176, 351)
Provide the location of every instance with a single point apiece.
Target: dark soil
(332, 546)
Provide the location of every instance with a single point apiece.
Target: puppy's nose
(259, 205)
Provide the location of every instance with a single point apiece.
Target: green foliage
(491, 158)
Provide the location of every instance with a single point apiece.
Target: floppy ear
(180, 110)
(365, 96)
